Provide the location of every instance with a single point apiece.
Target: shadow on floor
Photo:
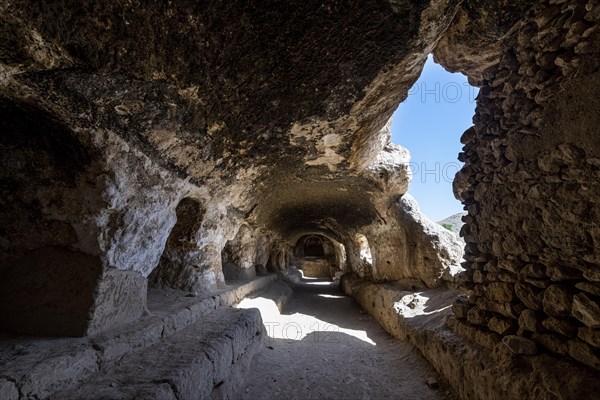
(324, 346)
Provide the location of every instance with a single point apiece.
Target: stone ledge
(192, 363)
(472, 370)
(37, 367)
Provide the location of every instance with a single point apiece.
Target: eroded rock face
(405, 244)
(271, 115)
(246, 254)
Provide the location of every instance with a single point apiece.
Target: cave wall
(407, 245)
(203, 101)
(84, 193)
(55, 280)
(247, 254)
(531, 187)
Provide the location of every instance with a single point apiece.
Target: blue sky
(439, 108)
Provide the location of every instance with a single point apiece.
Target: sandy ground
(324, 346)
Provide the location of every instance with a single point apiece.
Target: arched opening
(313, 247)
(189, 214)
(451, 99)
(317, 256)
(181, 253)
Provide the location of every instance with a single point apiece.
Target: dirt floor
(324, 346)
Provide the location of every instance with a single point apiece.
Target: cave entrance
(439, 107)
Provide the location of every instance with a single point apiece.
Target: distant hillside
(455, 222)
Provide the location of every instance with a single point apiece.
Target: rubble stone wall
(531, 185)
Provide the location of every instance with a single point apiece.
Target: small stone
(529, 295)
(520, 345)
(478, 291)
(478, 277)
(502, 326)
(508, 277)
(500, 291)
(563, 326)
(477, 316)
(544, 18)
(558, 274)
(575, 33)
(583, 353)
(529, 321)
(508, 310)
(593, 13)
(461, 307)
(509, 265)
(590, 336)
(589, 288)
(546, 60)
(539, 283)
(592, 274)
(491, 266)
(555, 343)
(557, 301)
(586, 310)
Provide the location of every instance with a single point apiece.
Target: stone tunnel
(178, 176)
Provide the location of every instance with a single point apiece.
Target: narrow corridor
(324, 346)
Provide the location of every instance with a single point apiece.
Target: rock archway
(312, 246)
(317, 256)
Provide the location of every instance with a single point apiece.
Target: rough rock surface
(530, 181)
(480, 367)
(456, 223)
(128, 112)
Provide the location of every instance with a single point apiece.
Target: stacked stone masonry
(531, 186)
